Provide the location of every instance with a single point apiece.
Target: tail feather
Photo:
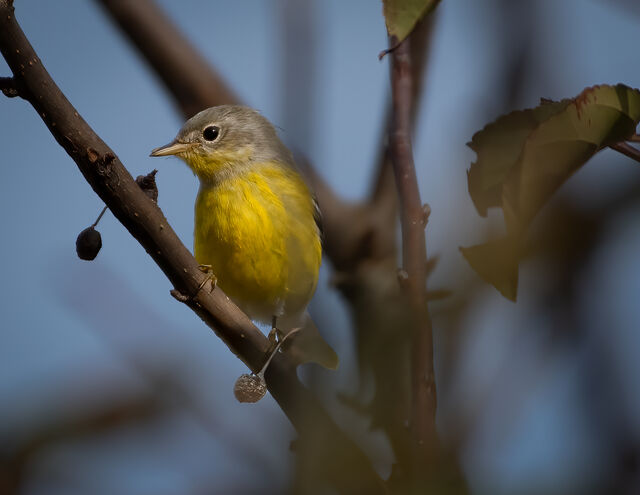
(307, 345)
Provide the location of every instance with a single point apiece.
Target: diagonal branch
(627, 150)
(146, 223)
(183, 70)
(414, 254)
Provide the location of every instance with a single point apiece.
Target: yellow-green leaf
(498, 147)
(401, 16)
(559, 146)
(524, 157)
(497, 263)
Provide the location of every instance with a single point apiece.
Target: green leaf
(401, 16)
(497, 263)
(498, 147)
(524, 157)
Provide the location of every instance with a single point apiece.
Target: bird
(257, 225)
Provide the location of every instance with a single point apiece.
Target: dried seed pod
(88, 244)
(148, 184)
(250, 388)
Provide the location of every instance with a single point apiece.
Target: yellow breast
(257, 231)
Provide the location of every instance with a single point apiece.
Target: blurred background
(107, 385)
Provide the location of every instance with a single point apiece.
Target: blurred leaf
(496, 262)
(524, 157)
(401, 16)
(498, 147)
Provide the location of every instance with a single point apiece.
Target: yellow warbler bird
(256, 221)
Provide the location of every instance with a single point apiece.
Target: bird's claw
(273, 339)
(208, 271)
(275, 343)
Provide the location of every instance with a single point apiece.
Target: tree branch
(383, 189)
(184, 72)
(8, 87)
(627, 150)
(144, 220)
(414, 255)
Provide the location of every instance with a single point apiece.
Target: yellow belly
(258, 233)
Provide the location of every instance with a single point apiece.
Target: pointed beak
(173, 148)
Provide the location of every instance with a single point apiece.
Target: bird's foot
(275, 336)
(276, 340)
(210, 277)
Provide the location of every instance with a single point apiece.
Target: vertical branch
(419, 52)
(413, 218)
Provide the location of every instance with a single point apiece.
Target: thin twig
(627, 150)
(387, 51)
(383, 196)
(99, 217)
(144, 220)
(414, 253)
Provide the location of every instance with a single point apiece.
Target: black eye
(211, 133)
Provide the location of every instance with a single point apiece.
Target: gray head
(222, 138)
